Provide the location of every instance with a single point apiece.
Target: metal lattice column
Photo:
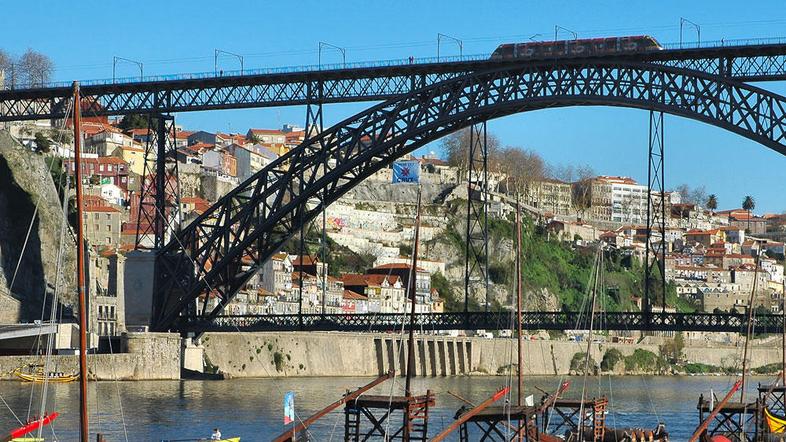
(159, 196)
(476, 253)
(313, 128)
(655, 255)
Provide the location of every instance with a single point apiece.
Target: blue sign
(406, 172)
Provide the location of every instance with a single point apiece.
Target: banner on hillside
(406, 172)
(289, 407)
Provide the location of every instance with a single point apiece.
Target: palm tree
(712, 203)
(749, 204)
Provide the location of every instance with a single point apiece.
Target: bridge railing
(381, 322)
(361, 65)
(260, 71)
(724, 43)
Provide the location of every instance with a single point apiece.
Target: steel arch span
(209, 257)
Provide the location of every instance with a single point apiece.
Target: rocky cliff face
(25, 183)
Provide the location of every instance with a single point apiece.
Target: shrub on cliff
(644, 361)
(579, 361)
(610, 359)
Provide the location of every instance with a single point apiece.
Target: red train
(576, 48)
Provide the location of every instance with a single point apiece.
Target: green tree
(135, 121)
(749, 204)
(42, 143)
(712, 202)
(671, 350)
(610, 359)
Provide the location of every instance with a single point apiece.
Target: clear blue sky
(180, 36)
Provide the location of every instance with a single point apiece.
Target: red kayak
(32, 426)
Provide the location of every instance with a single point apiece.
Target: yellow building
(134, 156)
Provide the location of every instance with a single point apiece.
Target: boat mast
(750, 330)
(80, 259)
(412, 290)
(520, 385)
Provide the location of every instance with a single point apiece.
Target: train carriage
(576, 48)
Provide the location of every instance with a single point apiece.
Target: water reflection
(252, 408)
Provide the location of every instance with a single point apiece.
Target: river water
(252, 408)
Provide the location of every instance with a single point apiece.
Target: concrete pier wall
(364, 354)
(151, 356)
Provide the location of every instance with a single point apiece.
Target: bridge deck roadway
(183, 93)
(384, 322)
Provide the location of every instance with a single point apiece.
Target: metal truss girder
(382, 322)
(743, 63)
(159, 196)
(655, 254)
(353, 149)
(476, 250)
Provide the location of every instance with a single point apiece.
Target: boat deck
(730, 407)
(394, 403)
(502, 413)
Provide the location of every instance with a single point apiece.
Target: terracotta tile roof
(111, 160)
(377, 280)
(396, 265)
(201, 147)
(354, 279)
(307, 260)
(279, 256)
(137, 131)
(106, 209)
(94, 200)
(266, 132)
(349, 294)
(615, 179)
(132, 148)
(200, 204)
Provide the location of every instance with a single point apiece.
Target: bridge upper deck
(745, 60)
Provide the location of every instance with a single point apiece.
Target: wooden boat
(597, 431)
(19, 434)
(776, 424)
(36, 374)
(627, 435)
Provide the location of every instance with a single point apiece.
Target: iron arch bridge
(206, 259)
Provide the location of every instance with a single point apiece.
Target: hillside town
(714, 258)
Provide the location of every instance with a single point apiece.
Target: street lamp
(343, 51)
(558, 28)
(456, 40)
(217, 52)
(683, 22)
(138, 63)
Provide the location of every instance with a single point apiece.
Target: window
(95, 216)
(108, 227)
(108, 216)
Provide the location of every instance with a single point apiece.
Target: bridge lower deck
(384, 322)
